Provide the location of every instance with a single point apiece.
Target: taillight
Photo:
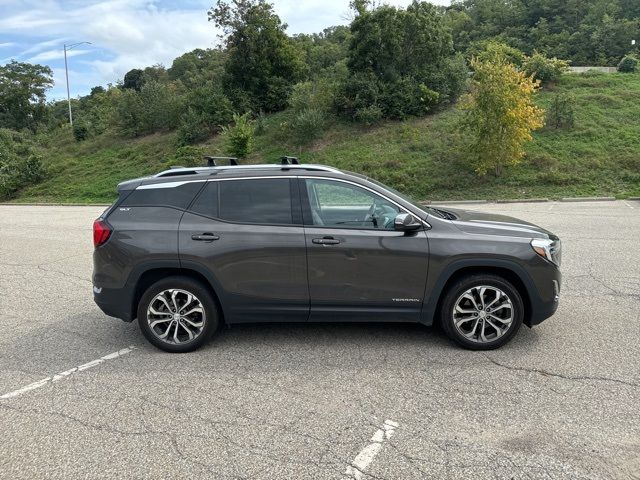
(101, 232)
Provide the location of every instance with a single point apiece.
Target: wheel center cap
(176, 316)
(483, 314)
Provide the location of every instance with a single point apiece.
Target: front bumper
(545, 306)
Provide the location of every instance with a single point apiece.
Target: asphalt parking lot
(307, 401)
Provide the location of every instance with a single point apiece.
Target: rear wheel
(178, 314)
(482, 312)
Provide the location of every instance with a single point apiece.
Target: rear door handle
(205, 237)
(325, 241)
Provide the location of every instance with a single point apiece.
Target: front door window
(341, 205)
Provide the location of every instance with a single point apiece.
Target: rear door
(247, 234)
(360, 268)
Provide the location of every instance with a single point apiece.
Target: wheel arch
(510, 271)
(151, 275)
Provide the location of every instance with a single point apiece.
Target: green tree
(324, 50)
(500, 114)
(20, 165)
(22, 94)
(197, 67)
(133, 79)
(263, 63)
(401, 61)
(586, 32)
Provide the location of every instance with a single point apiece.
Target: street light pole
(66, 72)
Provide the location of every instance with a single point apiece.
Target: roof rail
(222, 168)
(211, 161)
(286, 160)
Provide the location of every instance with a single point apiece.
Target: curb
(587, 199)
(41, 204)
(453, 202)
(525, 200)
(636, 199)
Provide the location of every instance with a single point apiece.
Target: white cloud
(56, 55)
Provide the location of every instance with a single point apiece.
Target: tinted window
(256, 201)
(178, 197)
(339, 204)
(207, 201)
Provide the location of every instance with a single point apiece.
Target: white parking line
(65, 374)
(356, 469)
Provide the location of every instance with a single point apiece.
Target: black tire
(457, 290)
(210, 319)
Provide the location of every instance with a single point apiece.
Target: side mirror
(405, 222)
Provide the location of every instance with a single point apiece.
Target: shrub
(560, 113)
(207, 110)
(154, 108)
(188, 156)
(368, 115)
(193, 128)
(308, 125)
(20, 165)
(398, 99)
(317, 95)
(628, 64)
(545, 69)
(260, 123)
(491, 51)
(80, 132)
(239, 137)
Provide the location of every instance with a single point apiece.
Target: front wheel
(177, 314)
(482, 312)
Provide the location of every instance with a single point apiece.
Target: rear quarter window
(177, 197)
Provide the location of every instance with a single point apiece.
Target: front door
(248, 235)
(359, 267)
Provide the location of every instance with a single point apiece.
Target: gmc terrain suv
(188, 249)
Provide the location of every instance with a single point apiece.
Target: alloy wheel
(176, 316)
(483, 314)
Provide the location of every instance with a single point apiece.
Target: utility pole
(66, 72)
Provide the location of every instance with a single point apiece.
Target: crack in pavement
(547, 373)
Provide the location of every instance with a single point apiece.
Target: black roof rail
(286, 160)
(211, 161)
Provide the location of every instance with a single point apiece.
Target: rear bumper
(115, 302)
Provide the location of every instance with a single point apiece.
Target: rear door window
(266, 200)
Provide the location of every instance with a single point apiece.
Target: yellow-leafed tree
(500, 114)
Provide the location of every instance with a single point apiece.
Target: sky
(126, 34)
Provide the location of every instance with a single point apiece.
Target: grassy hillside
(599, 156)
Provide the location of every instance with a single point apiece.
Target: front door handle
(325, 241)
(205, 237)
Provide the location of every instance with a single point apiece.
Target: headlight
(548, 249)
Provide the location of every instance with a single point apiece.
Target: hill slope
(599, 156)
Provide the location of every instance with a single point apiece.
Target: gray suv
(189, 249)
